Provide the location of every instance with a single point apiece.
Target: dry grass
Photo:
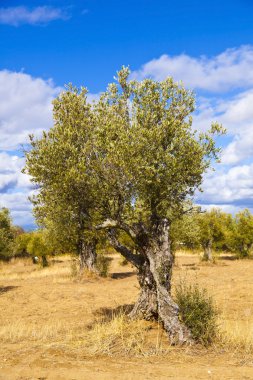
(20, 331)
(50, 309)
(237, 336)
(23, 269)
(121, 336)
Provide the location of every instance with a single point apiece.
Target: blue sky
(207, 44)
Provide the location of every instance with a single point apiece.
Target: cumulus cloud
(236, 115)
(15, 187)
(20, 206)
(231, 209)
(17, 16)
(229, 70)
(231, 187)
(26, 107)
(11, 176)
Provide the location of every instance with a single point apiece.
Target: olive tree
(241, 236)
(150, 162)
(6, 234)
(214, 226)
(129, 162)
(59, 164)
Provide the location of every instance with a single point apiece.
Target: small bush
(102, 265)
(197, 312)
(74, 268)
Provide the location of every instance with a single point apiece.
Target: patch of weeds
(74, 268)
(197, 312)
(103, 265)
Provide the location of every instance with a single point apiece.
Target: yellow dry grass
(56, 320)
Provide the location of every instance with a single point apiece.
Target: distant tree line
(215, 230)
(15, 242)
(207, 232)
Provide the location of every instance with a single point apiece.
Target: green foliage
(21, 243)
(197, 312)
(37, 245)
(241, 235)
(220, 230)
(207, 230)
(131, 155)
(103, 265)
(60, 163)
(213, 226)
(185, 232)
(6, 235)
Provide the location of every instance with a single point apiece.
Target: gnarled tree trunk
(87, 256)
(208, 251)
(154, 264)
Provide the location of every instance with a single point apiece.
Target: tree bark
(154, 264)
(161, 261)
(208, 251)
(87, 256)
(146, 306)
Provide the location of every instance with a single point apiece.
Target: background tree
(206, 230)
(20, 244)
(213, 229)
(39, 246)
(59, 164)
(185, 232)
(151, 162)
(241, 235)
(6, 235)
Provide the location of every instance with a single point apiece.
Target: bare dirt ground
(47, 320)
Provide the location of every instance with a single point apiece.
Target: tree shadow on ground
(56, 261)
(228, 257)
(191, 266)
(121, 275)
(108, 313)
(5, 289)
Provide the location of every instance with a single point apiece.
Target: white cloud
(16, 16)
(25, 107)
(20, 206)
(15, 188)
(231, 209)
(10, 173)
(229, 70)
(236, 115)
(234, 186)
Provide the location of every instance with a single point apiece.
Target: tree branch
(111, 223)
(124, 251)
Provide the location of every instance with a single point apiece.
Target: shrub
(197, 312)
(74, 268)
(102, 265)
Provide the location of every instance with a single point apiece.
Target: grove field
(55, 324)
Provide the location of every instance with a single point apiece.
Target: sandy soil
(45, 315)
